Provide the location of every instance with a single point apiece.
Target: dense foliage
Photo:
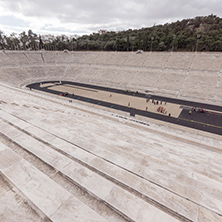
(200, 33)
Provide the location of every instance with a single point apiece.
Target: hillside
(202, 33)
(181, 35)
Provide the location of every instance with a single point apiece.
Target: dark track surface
(209, 121)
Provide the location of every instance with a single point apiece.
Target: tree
(186, 38)
(23, 39)
(40, 43)
(15, 41)
(162, 46)
(217, 45)
(1, 40)
(32, 40)
(110, 45)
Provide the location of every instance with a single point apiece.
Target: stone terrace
(63, 163)
(173, 74)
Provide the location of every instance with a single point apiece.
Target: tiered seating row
(151, 164)
(136, 59)
(180, 60)
(19, 76)
(179, 74)
(134, 208)
(15, 206)
(207, 62)
(54, 201)
(19, 58)
(118, 59)
(35, 58)
(219, 88)
(159, 60)
(5, 60)
(200, 85)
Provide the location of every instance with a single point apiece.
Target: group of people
(200, 110)
(196, 109)
(156, 102)
(161, 109)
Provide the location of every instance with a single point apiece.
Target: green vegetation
(200, 33)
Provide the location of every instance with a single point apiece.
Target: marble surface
(110, 162)
(161, 69)
(43, 192)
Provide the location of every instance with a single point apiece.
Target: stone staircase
(72, 164)
(184, 75)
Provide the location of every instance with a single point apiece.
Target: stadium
(110, 136)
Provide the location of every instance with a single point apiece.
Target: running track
(211, 121)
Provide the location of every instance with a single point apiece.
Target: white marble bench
(53, 200)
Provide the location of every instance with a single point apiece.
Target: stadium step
(174, 168)
(107, 191)
(44, 194)
(130, 180)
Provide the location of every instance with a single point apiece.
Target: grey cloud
(125, 13)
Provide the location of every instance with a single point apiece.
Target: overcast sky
(87, 16)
